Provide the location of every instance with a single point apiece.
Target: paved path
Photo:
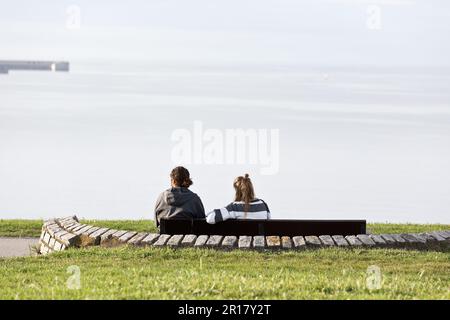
(16, 247)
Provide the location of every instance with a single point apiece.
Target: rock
(136, 240)
(441, 237)
(94, 238)
(46, 237)
(286, 243)
(86, 239)
(245, 242)
(79, 227)
(66, 226)
(162, 240)
(444, 233)
(399, 241)
(390, 241)
(49, 222)
(366, 240)
(214, 241)
(59, 234)
(353, 241)
(51, 243)
(118, 234)
(53, 230)
(71, 240)
(431, 242)
(299, 242)
(436, 236)
(74, 226)
(150, 239)
(188, 240)
(340, 241)
(378, 240)
(82, 230)
(127, 236)
(104, 238)
(44, 249)
(201, 241)
(229, 242)
(259, 242)
(113, 239)
(313, 242)
(59, 246)
(413, 241)
(175, 240)
(327, 241)
(273, 242)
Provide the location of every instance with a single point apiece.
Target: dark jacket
(178, 203)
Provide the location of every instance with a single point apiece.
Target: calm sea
(369, 143)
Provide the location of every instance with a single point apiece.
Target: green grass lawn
(164, 273)
(152, 273)
(20, 228)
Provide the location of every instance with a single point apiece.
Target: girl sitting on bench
(244, 206)
(179, 202)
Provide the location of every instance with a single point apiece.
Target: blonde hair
(244, 191)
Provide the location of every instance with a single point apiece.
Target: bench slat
(136, 240)
(327, 241)
(299, 242)
(340, 241)
(366, 240)
(229, 242)
(273, 242)
(214, 241)
(245, 242)
(286, 242)
(149, 239)
(201, 241)
(162, 240)
(353, 241)
(188, 240)
(259, 242)
(175, 240)
(313, 241)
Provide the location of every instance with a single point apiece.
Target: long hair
(181, 177)
(244, 191)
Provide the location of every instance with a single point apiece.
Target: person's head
(180, 178)
(244, 190)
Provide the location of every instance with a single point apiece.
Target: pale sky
(332, 32)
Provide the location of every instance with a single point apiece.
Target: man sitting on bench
(245, 205)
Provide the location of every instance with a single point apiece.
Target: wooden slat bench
(63, 233)
(264, 227)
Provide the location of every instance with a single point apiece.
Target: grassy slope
(32, 228)
(165, 273)
(203, 274)
(20, 228)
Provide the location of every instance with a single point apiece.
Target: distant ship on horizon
(8, 65)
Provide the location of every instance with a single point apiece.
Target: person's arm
(269, 216)
(158, 208)
(219, 215)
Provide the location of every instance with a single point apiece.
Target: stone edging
(60, 234)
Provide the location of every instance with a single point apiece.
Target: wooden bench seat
(264, 227)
